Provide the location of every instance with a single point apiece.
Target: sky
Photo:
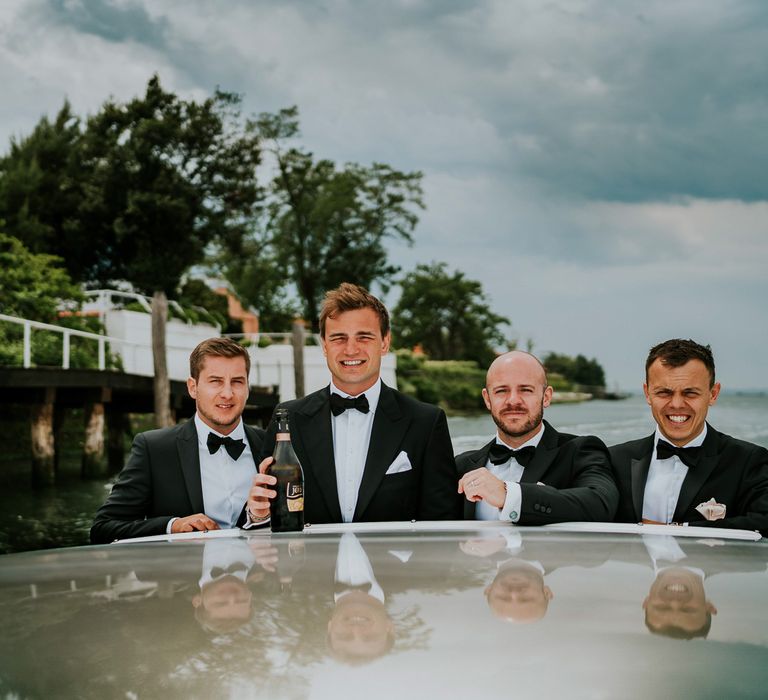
(600, 166)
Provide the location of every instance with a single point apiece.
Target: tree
(160, 182)
(448, 315)
(326, 225)
(40, 191)
(577, 370)
(32, 285)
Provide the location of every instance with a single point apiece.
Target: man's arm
(128, 510)
(124, 513)
(588, 491)
(439, 497)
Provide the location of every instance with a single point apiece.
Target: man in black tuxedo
(179, 479)
(531, 474)
(369, 453)
(687, 472)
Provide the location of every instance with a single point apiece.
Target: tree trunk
(298, 357)
(162, 384)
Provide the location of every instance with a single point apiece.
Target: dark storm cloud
(114, 22)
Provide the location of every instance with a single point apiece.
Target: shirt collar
(203, 429)
(698, 441)
(372, 394)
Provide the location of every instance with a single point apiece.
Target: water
(61, 516)
(744, 416)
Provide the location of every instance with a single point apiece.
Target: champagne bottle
(287, 507)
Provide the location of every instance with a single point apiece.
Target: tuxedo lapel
(698, 475)
(638, 469)
(546, 451)
(313, 439)
(189, 459)
(389, 427)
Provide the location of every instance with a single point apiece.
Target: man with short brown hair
(196, 475)
(369, 453)
(687, 472)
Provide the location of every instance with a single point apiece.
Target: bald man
(529, 473)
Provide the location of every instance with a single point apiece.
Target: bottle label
(295, 497)
(283, 437)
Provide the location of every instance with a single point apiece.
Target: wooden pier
(107, 397)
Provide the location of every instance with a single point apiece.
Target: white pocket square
(401, 464)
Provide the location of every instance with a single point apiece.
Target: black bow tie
(688, 455)
(219, 571)
(500, 454)
(339, 404)
(234, 447)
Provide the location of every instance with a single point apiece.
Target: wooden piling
(94, 463)
(42, 438)
(297, 340)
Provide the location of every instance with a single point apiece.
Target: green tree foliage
(140, 192)
(33, 285)
(324, 224)
(37, 287)
(578, 370)
(40, 191)
(448, 315)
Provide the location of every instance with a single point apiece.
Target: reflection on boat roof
(392, 609)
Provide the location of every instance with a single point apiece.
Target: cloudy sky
(601, 166)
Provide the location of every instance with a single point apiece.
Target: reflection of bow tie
(688, 455)
(218, 571)
(341, 587)
(500, 454)
(339, 404)
(234, 447)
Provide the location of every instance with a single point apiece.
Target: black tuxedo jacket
(731, 471)
(401, 424)
(576, 474)
(160, 481)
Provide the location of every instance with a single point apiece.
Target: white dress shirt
(225, 482)
(353, 568)
(665, 479)
(351, 438)
(510, 472)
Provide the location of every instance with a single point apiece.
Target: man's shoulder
(161, 435)
(728, 442)
(472, 456)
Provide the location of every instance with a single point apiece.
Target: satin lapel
(546, 451)
(697, 477)
(638, 471)
(389, 427)
(189, 458)
(313, 441)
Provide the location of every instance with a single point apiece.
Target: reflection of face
(677, 601)
(360, 628)
(353, 348)
(220, 392)
(224, 604)
(518, 593)
(516, 395)
(679, 398)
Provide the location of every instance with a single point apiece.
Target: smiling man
(369, 453)
(687, 472)
(196, 475)
(530, 473)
